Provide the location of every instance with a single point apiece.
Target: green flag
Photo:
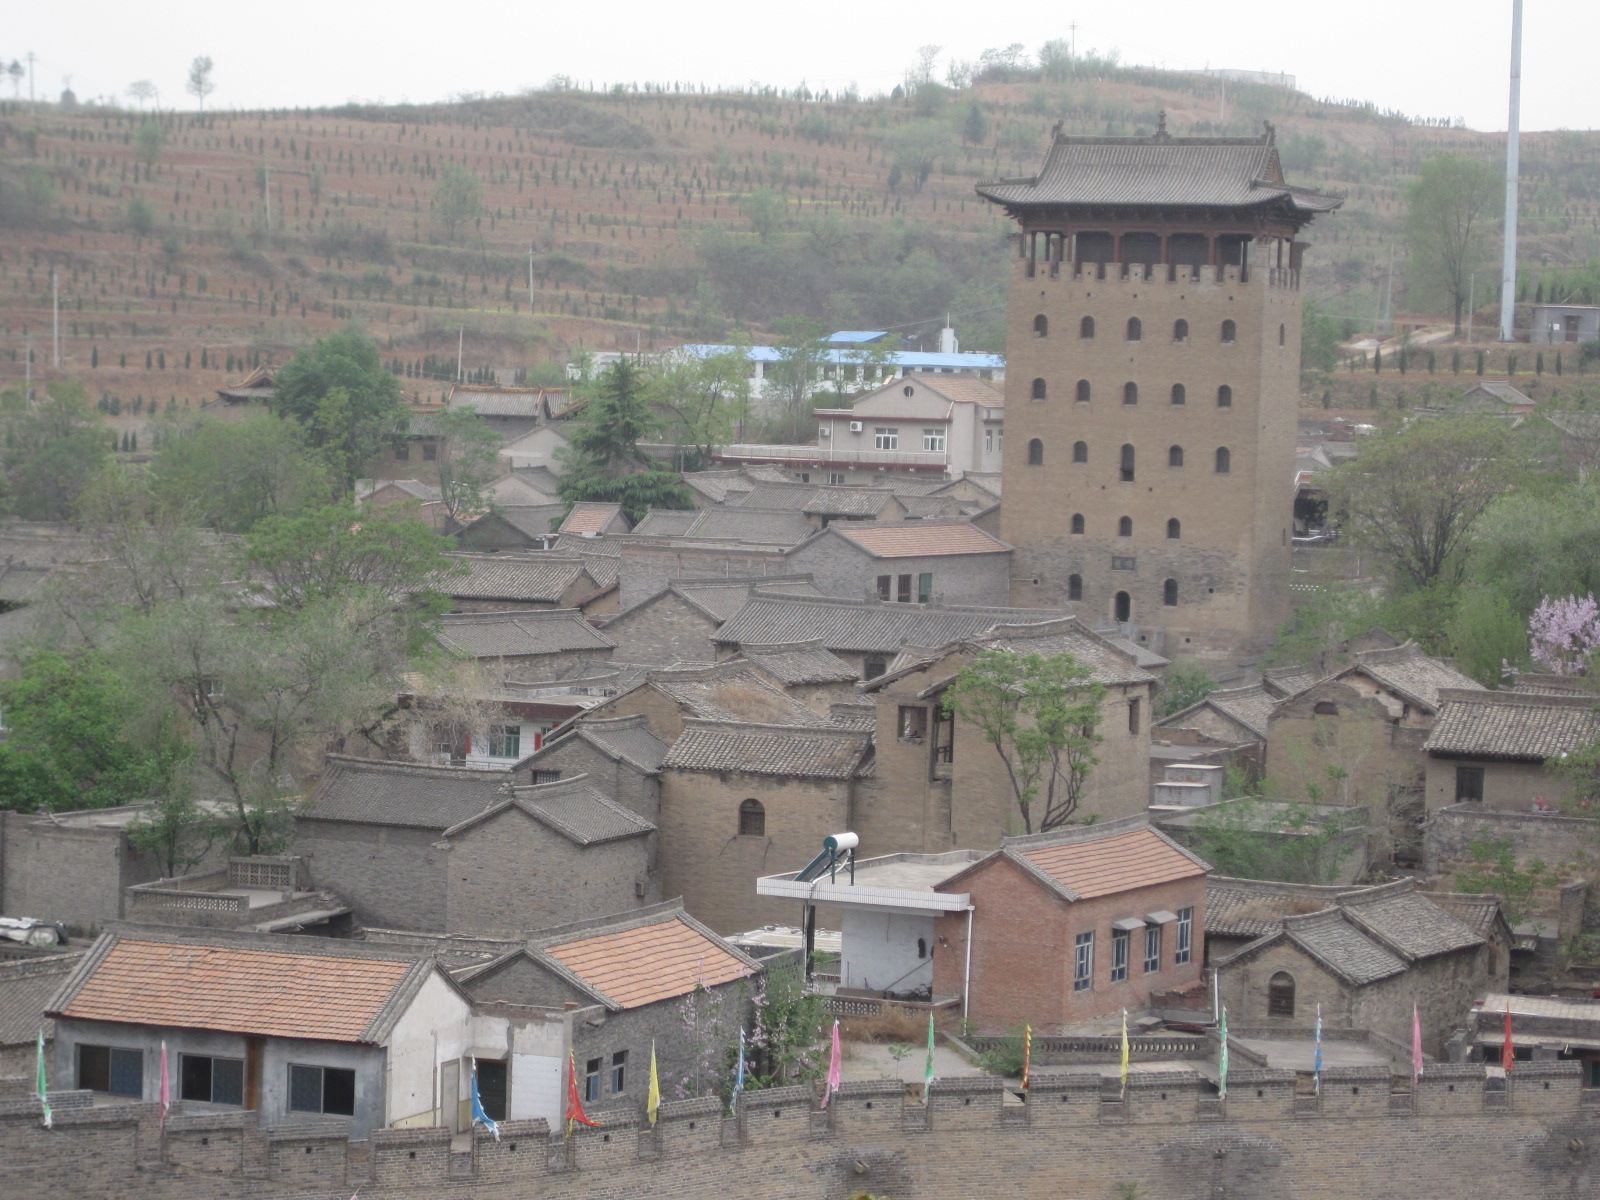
(1222, 1057)
(927, 1071)
(43, 1085)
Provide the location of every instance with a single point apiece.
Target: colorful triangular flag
(479, 1117)
(1508, 1052)
(575, 1114)
(1316, 1080)
(1027, 1055)
(1222, 1055)
(1416, 1045)
(927, 1070)
(652, 1103)
(42, 1085)
(835, 1067)
(738, 1079)
(1124, 1052)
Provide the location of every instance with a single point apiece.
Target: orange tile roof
(263, 992)
(639, 966)
(916, 538)
(588, 518)
(1101, 866)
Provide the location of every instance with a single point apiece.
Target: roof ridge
(713, 723)
(1509, 698)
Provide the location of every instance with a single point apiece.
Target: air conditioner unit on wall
(855, 426)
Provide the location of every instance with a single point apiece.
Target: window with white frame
(835, 478)
(1152, 948)
(505, 741)
(1119, 955)
(988, 441)
(933, 439)
(1185, 947)
(885, 438)
(1083, 962)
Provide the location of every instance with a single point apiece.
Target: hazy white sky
(1428, 59)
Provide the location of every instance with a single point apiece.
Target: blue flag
(479, 1117)
(1318, 1080)
(738, 1082)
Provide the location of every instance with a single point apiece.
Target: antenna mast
(1508, 261)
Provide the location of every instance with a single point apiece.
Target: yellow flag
(1124, 1051)
(653, 1102)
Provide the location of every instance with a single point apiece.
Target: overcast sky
(1427, 59)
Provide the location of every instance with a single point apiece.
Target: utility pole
(266, 184)
(1508, 259)
(461, 341)
(27, 371)
(1472, 284)
(530, 279)
(55, 319)
(31, 100)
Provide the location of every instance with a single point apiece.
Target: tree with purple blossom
(1565, 632)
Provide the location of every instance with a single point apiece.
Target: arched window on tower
(1086, 327)
(1083, 391)
(1224, 396)
(1135, 329)
(1041, 326)
(1230, 331)
(1280, 995)
(1127, 464)
(1077, 523)
(1035, 453)
(752, 819)
(1224, 460)
(1130, 393)
(1122, 606)
(1169, 593)
(1074, 587)
(1080, 452)
(1174, 456)
(1180, 330)
(1038, 389)
(1124, 526)
(1179, 394)
(1174, 528)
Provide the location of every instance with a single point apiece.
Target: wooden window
(619, 1072)
(1280, 995)
(1134, 713)
(430, 450)
(591, 1079)
(1469, 785)
(903, 589)
(752, 818)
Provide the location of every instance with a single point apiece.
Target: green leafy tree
(348, 402)
(1320, 336)
(1294, 842)
(1187, 682)
(176, 831)
(148, 143)
(789, 381)
(1040, 713)
(332, 551)
(766, 211)
(917, 147)
(68, 743)
(1414, 496)
(602, 456)
(50, 450)
(468, 460)
(458, 199)
(199, 84)
(975, 128)
(1450, 210)
(231, 475)
(702, 401)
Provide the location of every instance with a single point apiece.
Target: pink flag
(166, 1084)
(835, 1067)
(1416, 1045)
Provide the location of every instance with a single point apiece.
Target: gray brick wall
(669, 629)
(392, 878)
(839, 568)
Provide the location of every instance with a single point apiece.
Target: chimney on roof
(947, 341)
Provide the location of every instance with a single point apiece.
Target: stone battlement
(1461, 1132)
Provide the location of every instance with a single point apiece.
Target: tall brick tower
(1152, 375)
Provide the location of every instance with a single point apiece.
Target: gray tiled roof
(1158, 170)
(1408, 671)
(799, 662)
(543, 577)
(731, 691)
(604, 569)
(723, 598)
(1288, 681)
(718, 486)
(1341, 947)
(928, 507)
(859, 716)
(814, 753)
(1067, 635)
(1515, 725)
(581, 812)
(1250, 706)
(1408, 920)
(627, 738)
(847, 502)
(520, 634)
(590, 517)
(532, 520)
(761, 526)
(374, 792)
(666, 522)
(26, 986)
(489, 401)
(869, 626)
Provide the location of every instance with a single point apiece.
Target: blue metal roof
(902, 358)
(855, 336)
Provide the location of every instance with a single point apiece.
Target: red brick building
(1072, 925)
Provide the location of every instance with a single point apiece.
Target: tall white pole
(1508, 261)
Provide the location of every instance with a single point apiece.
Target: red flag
(575, 1113)
(1508, 1052)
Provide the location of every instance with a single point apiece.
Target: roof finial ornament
(1161, 123)
(1270, 134)
(1055, 130)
